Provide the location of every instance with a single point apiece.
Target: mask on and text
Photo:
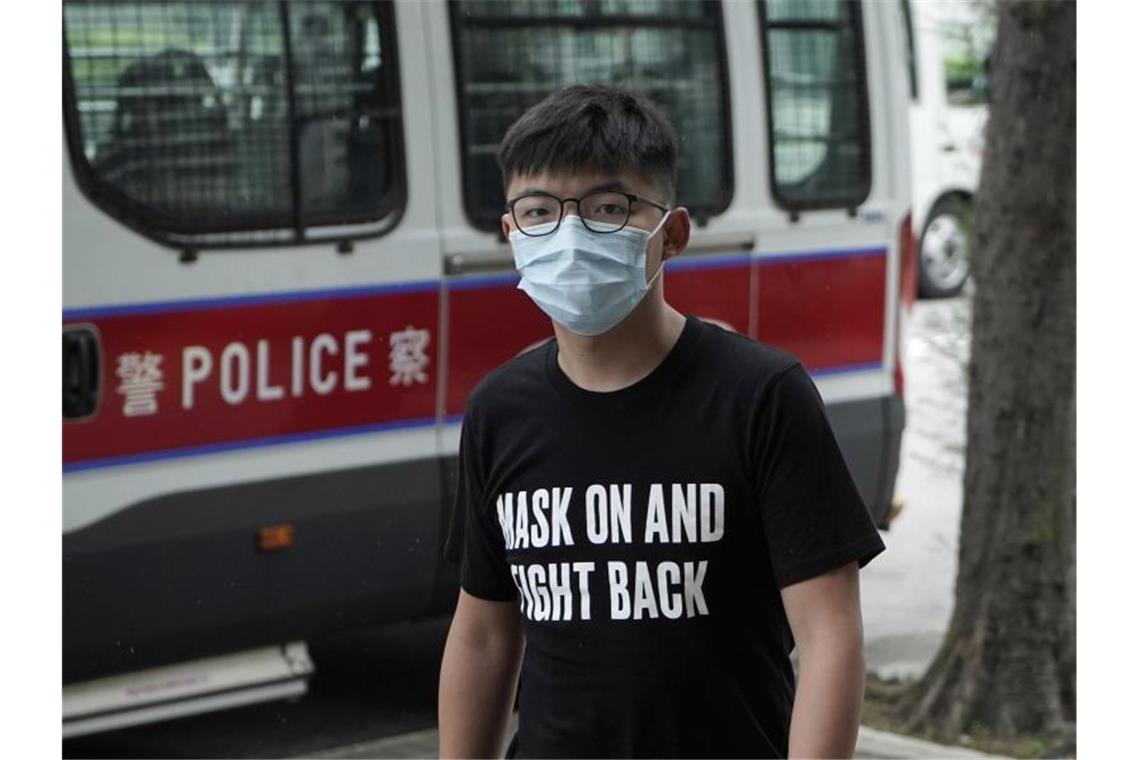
(678, 513)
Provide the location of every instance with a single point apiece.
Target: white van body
(281, 280)
(947, 137)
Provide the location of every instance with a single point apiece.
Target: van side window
(815, 78)
(510, 54)
(966, 49)
(237, 123)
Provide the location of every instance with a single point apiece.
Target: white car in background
(950, 41)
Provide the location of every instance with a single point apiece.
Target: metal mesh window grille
(235, 123)
(510, 54)
(817, 103)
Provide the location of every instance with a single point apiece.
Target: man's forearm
(829, 699)
(476, 692)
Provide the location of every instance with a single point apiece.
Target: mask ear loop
(660, 224)
(660, 264)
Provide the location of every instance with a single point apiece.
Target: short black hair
(595, 127)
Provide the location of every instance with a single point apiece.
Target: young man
(656, 505)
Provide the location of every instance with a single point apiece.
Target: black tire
(944, 248)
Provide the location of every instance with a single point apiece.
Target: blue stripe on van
(840, 369)
(253, 443)
(707, 261)
(159, 307)
(483, 281)
(841, 253)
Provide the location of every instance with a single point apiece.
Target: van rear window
(815, 78)
(510, 54)
(236, 123)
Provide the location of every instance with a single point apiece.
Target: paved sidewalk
(875, 743)
(870, 744)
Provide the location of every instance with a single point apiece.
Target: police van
(284, 273)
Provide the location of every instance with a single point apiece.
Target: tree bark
(1007, 665)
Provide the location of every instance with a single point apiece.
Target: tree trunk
(1007, 665)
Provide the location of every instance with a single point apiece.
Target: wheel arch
(923, 214)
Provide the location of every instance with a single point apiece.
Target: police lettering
(321, 367)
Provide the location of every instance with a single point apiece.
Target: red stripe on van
(492, 322)
(717, 294)
(487, 325)
(827, 311)
(375, 362)
(292, 369)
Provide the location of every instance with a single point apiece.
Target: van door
(505, 58)
(837, 170)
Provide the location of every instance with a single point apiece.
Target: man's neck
(624, 355)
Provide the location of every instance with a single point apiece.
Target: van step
(189, 688)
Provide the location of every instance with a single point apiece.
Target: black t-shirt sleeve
(474, 539)
(813, 516)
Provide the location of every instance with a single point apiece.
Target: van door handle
(80, 372)
(701, 244)
(457, 263)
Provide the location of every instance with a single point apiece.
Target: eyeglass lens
(603, 208)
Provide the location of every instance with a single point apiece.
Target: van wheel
(944, 249)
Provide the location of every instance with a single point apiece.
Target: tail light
(908, 290)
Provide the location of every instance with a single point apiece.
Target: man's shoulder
(519, 378)
(737, 356)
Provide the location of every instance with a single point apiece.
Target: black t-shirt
(646, 533)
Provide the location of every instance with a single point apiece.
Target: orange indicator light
(273, 538)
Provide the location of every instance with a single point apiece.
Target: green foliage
(962, 69)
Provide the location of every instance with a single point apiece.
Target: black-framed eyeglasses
(601, 211)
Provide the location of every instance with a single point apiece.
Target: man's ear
(505, 222)
(675, 233)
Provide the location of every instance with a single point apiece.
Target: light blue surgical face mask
(585, 281)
